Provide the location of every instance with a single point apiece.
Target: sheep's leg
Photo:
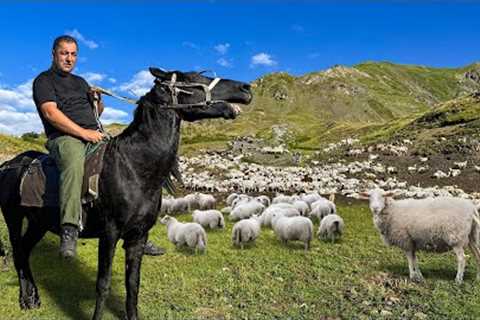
(476, 254)
(415, 274)
(461, 264)
(106, 252)
(133, 262)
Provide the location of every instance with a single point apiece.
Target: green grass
(356, 278)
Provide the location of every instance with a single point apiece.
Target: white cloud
(112, 80)
(111, 115)
(139, 84)
(263, 59)
(77, 35)
(19, 98)
(224, 62)
(18, 113)
(92, 77)
(222, 48)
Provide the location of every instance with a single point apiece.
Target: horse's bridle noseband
(175, 88)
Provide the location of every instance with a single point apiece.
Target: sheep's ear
(363, 195)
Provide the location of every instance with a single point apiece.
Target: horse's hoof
(30, 303)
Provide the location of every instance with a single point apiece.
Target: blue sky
(242, 40)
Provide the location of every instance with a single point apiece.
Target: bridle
(175, 87)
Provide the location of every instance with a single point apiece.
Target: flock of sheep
(289, 216)
(432, 224)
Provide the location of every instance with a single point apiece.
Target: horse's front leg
(133, 262)
(106, 251)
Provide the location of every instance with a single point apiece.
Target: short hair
(64, 38)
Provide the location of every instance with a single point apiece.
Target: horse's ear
(157, 73)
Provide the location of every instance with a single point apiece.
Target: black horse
(137, 164)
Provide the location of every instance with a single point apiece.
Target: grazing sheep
(246, 231)
(310, 197)
(209, 218)
(246, 210)
(432, 224)
(190, 234)
(192, 201)
(286, 209)
(179, 205)
(230, 198)
(243, 198)
(331, 227)
(264, 200)
(166, 206)
(293, 228)
(206, 201)
(284, 199)
(322, 208)
(302, 207)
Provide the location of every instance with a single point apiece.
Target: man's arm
(60, 121)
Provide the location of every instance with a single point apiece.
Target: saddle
(39, 185)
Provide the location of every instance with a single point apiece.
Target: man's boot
(68, 241)
(152, 250)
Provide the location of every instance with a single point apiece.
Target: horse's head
(188, 91)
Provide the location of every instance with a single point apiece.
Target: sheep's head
(377, 199)
(166, 219)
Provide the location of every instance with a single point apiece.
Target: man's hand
(92, 135)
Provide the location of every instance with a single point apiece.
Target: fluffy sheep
(432, 224)
(293, 228)
(323, 207)
(263, 200)
(286, 209)
(302, 207)
(209, 218)
(246, 210)
(331, 227)
(190, 234)
(246, 231)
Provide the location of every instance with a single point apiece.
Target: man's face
(65, 56)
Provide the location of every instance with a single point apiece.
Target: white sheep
(178, 205)
(246, 231)
(209, 218)
(263, 199)
(190, 234)
(331, 227)
(230, 198)
(302, 207)
(323, 207)
(293, 228)
(286, 209)
(433, 224)
(245, 210)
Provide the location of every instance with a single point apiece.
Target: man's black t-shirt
(70, 92)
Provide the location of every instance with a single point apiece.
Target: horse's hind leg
(28, 295)
(31, 237)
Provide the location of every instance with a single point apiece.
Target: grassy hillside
(322, 107)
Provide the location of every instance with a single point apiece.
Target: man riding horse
(69, 111)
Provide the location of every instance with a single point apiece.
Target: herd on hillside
(432, 224)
